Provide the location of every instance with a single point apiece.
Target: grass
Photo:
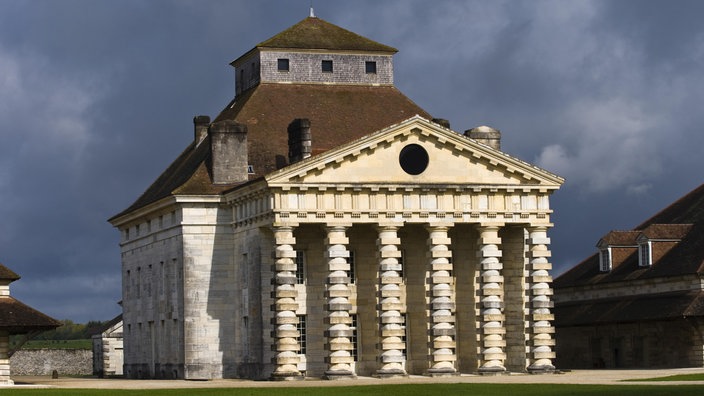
(58, 344)
(678, 377)
(385, 390)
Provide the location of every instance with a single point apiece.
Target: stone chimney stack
(200, 126)
(228, 148)
(442, 122)
(299, 140)
(485, 135)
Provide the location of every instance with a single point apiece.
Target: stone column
(5, 359)
(540, 330)
(492, 331)
(339, 334)
(393, 349)
(285, 305)
(442, 304)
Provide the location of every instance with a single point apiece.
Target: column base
(542, 369)
(391, 374)
(442, 373)
(339, 375)
(8, 382)
(493, 370)
(292, 376)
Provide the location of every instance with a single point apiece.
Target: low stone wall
(45, 361)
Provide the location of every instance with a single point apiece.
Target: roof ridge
(316, 33)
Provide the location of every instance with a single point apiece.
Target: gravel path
(606, 377)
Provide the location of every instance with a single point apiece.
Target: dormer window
(327, 66)
(282, 64)
(370, 67)
(605, 259)
(645, 255)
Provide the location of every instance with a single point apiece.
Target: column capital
(438, 226)
(340, 226)
(490, 226)
(282, 226)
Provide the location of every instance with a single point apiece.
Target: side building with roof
(16, 318)
(325, 225)
(639, 300)
(108, 356)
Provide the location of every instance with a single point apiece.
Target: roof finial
(312, 13)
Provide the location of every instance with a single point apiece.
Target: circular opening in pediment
(413, 159)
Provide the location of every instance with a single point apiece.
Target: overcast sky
(97, 98)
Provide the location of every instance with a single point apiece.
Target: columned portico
(442, 304)
(338, 306)
(285, 320)
(541, 330)
(391, 320)
(492, 330)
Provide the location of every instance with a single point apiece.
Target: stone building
(16, 318)
(639, 300)
(325, 225)
(108, 356)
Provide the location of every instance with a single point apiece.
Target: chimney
(228, 149)
(442, 122)
(299, 140)
(485, 135)
(200, 126)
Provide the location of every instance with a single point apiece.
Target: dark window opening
(282, 64)
(327, 66)
(413, 159)
(370, 67)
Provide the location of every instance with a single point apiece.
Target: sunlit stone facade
(411, 249)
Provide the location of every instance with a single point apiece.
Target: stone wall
(45, 361)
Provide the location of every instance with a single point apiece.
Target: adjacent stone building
(16, 318)
(639, 301)
(325, 225)
(108, 356)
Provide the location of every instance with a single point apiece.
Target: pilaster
(540, 340)
(5, 359)
(492, 331)
(285, 305)
(339, 334)
(393, 348)
(442, 304)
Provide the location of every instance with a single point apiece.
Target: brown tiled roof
(338, 115)
(621, 238)
(7, 274)
(666, 231)
(18, 318)
(315, 33)
(650, 307)
(684, 219)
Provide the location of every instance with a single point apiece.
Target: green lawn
(387, 390)
(58, 344)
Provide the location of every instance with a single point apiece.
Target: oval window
(413, 159)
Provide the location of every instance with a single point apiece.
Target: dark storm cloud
(97, 99)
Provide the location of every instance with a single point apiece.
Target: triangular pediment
(415, 152)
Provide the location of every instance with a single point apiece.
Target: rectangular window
(300, 267)
(282, 64)
(301, 327)
(327, 66)
(355, 346)
(605, 260)
(250, 169)
(645, 257)
(370, 67)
